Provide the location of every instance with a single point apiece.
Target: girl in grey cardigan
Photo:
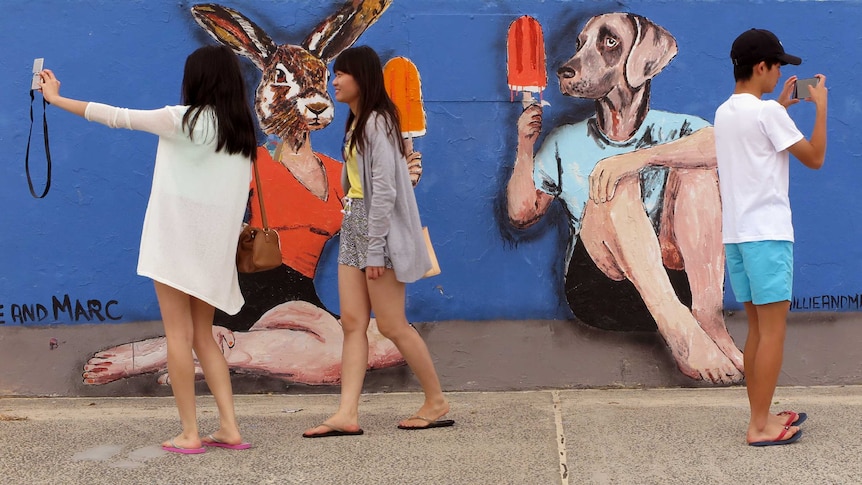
(382, 246)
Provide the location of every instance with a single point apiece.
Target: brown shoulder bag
(258, 249)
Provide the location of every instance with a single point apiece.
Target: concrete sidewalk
(662, 436)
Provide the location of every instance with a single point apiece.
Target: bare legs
(764, 352)
(188, 326)
(386, 296)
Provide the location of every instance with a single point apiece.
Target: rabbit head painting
(283, 330)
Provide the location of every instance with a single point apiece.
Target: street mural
(639, 187)
(283, 330)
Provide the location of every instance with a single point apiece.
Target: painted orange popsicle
(526, 59)
(405, 88)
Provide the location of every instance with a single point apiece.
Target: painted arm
(526, 204)
(693, 151)
(414, 161)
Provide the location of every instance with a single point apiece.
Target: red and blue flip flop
(793, 419)
(779, 441)
(216, 443)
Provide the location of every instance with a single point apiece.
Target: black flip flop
(333, 431)
(439, 423)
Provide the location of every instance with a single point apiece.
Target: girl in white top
(193, 220)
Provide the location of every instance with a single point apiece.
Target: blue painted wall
(82, 239)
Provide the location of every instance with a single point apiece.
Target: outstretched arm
(158, 121)
(693, 151)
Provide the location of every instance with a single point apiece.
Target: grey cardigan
(394, 227)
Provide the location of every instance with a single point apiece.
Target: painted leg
(127, 360)
(620, 239)
(179, 331)
(691, 229)
(388, 300)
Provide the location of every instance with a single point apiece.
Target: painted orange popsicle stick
(526, 59)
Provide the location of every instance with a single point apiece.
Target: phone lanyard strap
(47, 147)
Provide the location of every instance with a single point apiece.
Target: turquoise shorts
(760, 271)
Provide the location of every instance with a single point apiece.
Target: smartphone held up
(37, 68)
(800, 91)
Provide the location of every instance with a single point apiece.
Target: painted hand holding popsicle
(526, 61)
(405, 89)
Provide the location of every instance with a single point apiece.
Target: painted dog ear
(236, 31)
(652, 50)
(341, 29)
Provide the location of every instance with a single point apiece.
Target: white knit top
(197, 202)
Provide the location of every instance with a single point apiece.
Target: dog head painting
(616, 56)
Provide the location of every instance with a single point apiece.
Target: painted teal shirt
(570, 152)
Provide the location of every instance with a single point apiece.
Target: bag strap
(47, 147)
(260, 196)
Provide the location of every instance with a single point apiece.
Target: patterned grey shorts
(353, 247)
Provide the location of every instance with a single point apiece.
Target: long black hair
(364, 65)
(213, 79)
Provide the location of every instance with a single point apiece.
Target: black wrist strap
(47, 147)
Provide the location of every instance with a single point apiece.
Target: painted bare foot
(126, 360)
(225, 339)
(431, 411)
(696, 355)
(772, 432)
(713, 324)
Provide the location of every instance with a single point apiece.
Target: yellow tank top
(355, 191)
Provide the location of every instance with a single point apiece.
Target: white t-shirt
(751, 141)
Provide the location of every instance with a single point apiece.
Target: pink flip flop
(185, 451)
(216, 443)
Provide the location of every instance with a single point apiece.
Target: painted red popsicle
(526, 59)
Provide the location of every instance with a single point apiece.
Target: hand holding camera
(800, 90)
(811, 89)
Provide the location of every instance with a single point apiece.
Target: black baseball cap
(755, 45)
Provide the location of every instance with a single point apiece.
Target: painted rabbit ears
(336, 33)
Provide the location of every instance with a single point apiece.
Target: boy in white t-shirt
(753, 138)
